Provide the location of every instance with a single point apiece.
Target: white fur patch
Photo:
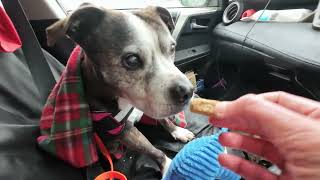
(123, 104)
(182, 134)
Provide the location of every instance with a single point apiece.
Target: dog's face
(133, 53)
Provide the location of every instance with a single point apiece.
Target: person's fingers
(255, 115)
(244, 168)
(256, 146)
(295, 103)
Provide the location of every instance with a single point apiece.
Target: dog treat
(203, 106)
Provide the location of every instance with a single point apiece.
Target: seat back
(20, 110)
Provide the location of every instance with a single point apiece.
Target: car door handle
(194, 25)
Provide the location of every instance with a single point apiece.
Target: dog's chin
(163, 111)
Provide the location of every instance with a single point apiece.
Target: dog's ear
(77, 26)
(56, 31)
(165, 17)
(153, 14)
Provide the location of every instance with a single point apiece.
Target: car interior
(228, 57)
(246, 57)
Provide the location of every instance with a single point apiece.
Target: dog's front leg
(135, 140)
(177, 132)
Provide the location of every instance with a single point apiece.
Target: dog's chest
(113, 124)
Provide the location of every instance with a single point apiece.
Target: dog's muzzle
(181, 92)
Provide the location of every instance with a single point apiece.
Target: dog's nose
(181, 93)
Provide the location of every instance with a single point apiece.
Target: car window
(69, 5)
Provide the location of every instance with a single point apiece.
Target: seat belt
(38, 65)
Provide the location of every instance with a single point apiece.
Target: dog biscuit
(203, 106)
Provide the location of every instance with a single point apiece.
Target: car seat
(20, 109)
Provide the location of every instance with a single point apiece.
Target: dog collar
(105, 123)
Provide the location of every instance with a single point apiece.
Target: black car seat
(20, 109)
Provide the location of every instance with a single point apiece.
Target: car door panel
(192, 34)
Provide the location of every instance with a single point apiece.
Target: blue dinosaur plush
(198, 160)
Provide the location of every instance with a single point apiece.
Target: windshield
(70, 5)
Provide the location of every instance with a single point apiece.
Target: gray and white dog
(129, 61)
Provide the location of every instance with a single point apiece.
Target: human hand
(289, 131)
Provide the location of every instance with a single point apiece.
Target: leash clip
(109, 174)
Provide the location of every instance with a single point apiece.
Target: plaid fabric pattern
(66, 124)
(180, 120)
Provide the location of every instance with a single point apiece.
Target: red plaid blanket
(66, 126)
(66, 123)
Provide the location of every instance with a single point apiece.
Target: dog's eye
(172, 48)
(132, 62)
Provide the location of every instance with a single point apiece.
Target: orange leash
(109, 174)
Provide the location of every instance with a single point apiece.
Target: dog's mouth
(161, 111)
(157, 109)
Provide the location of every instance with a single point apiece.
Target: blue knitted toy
(198, 160)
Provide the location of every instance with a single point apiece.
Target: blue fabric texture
(198, 160)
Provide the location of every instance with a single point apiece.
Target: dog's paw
(182, 134)
(166, 166)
